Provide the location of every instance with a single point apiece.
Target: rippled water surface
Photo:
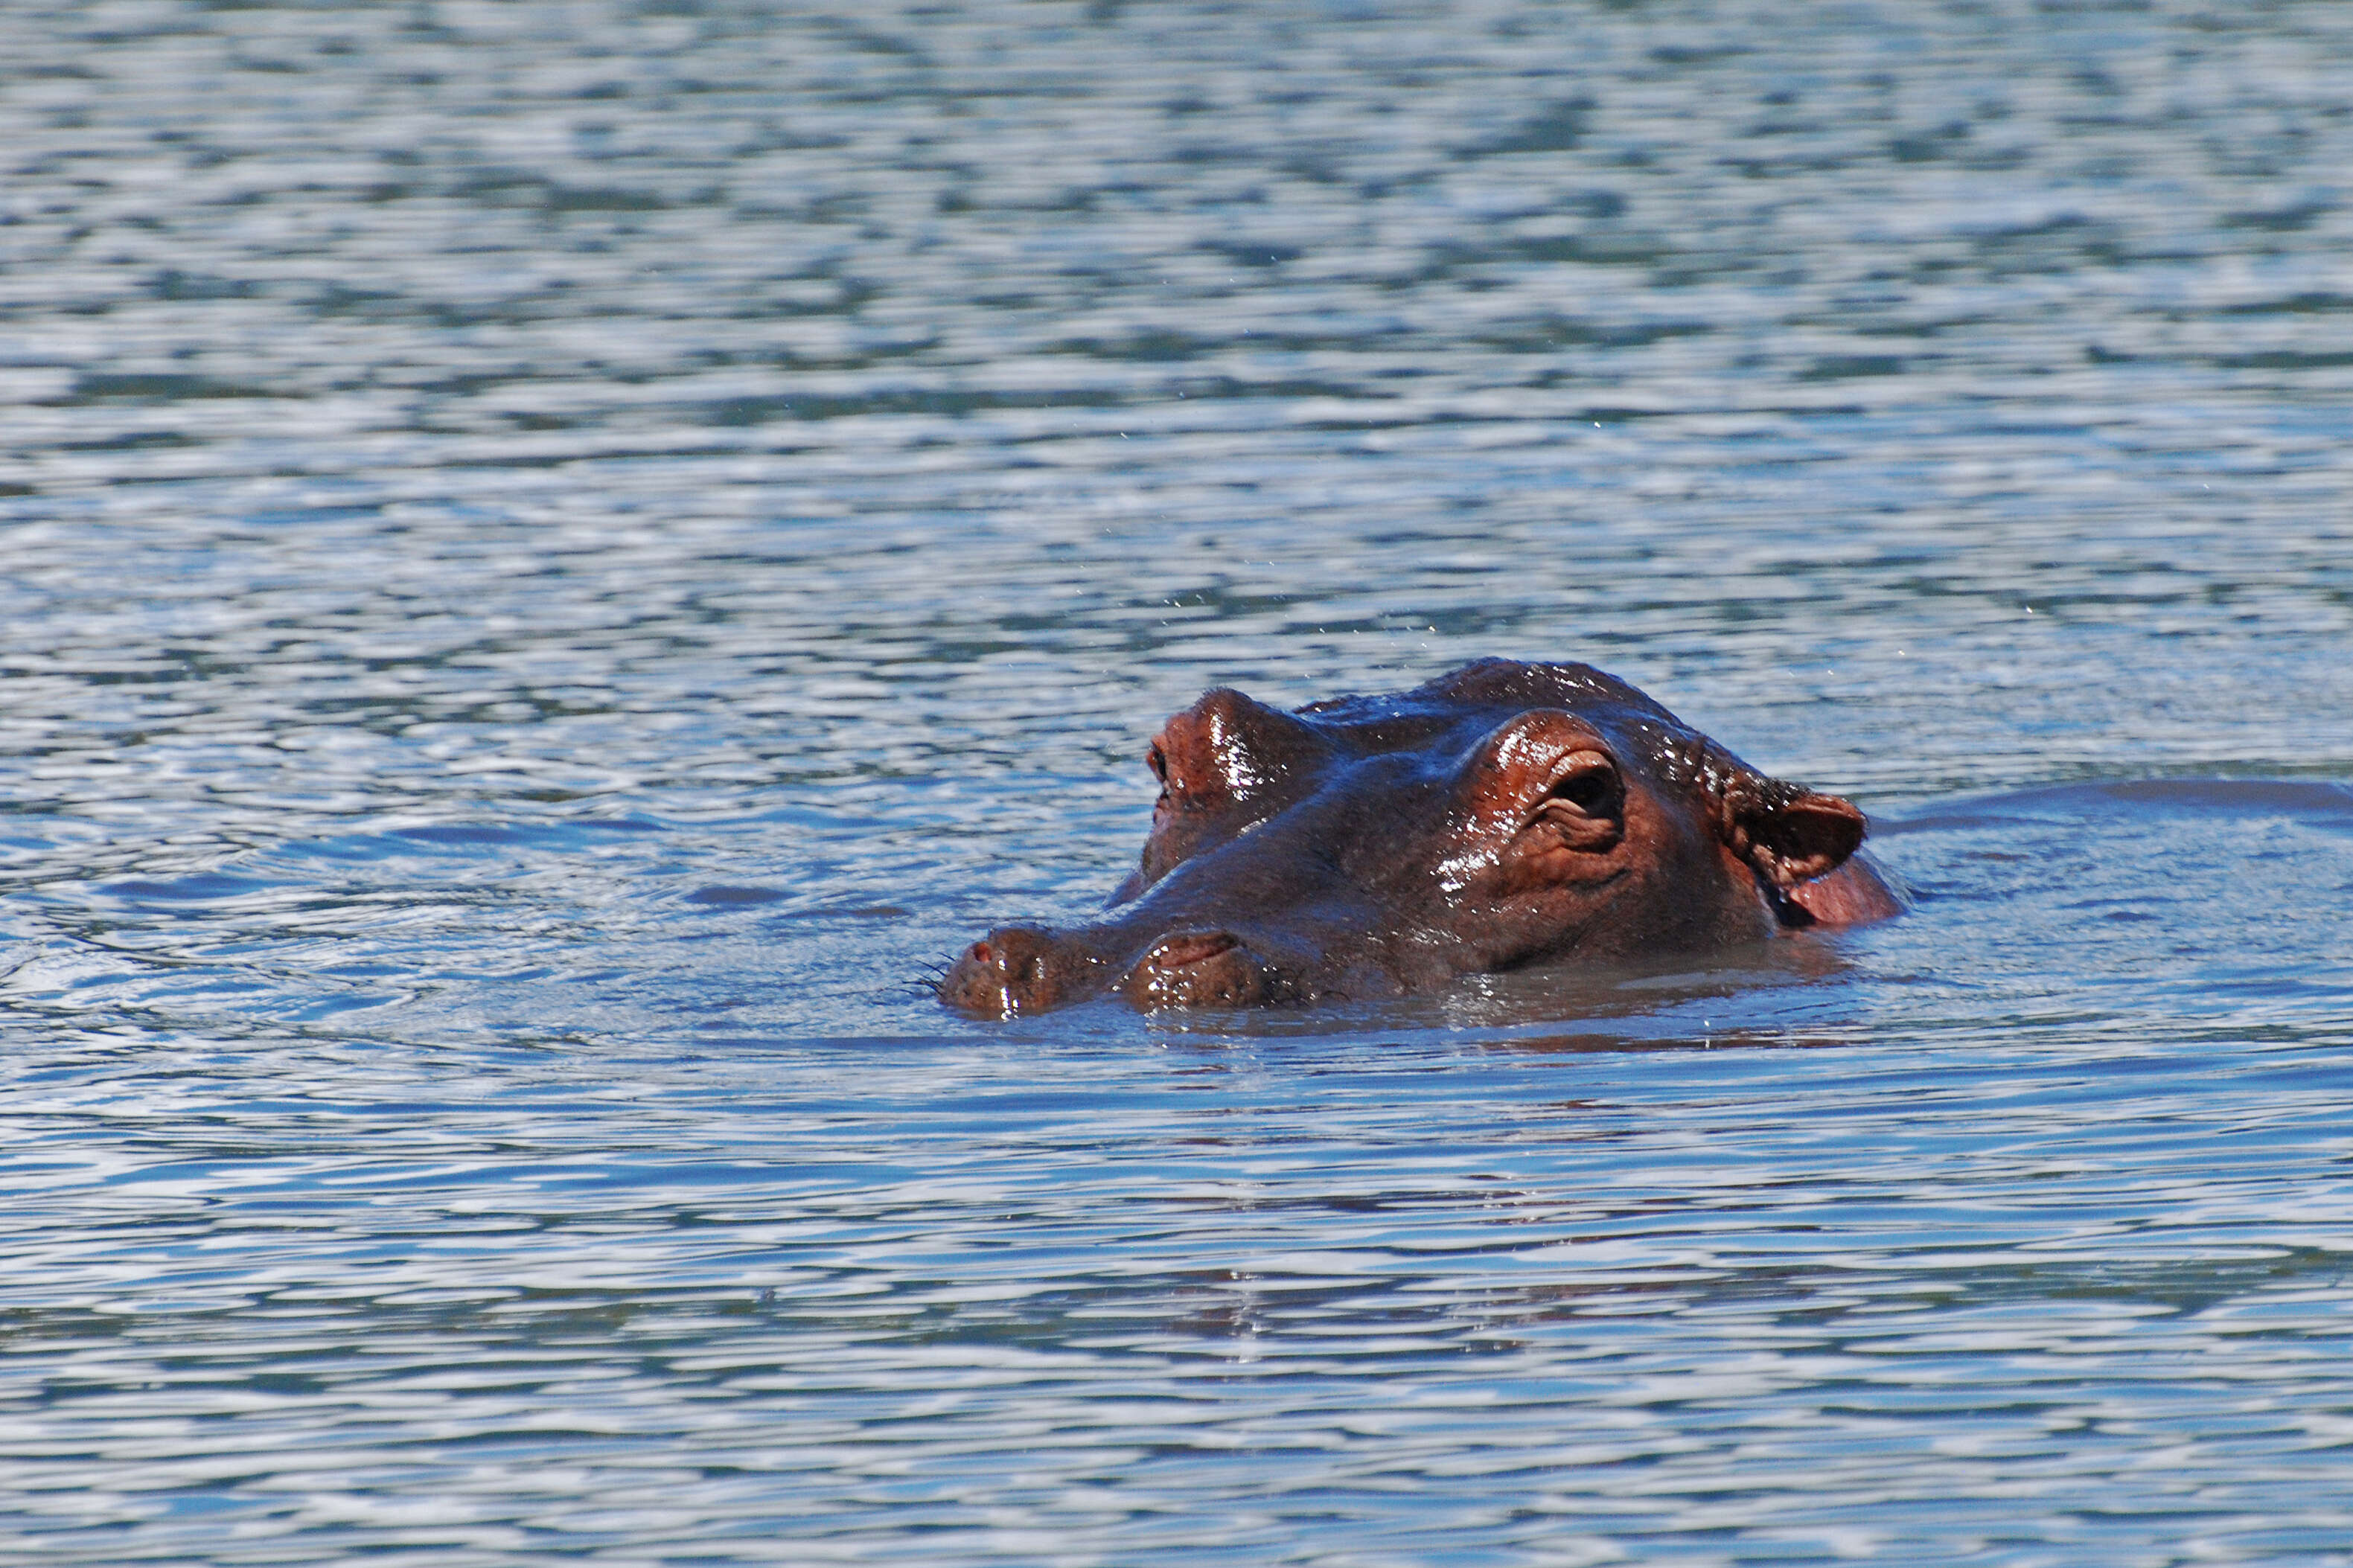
(557, 559)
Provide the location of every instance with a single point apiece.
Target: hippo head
(1502, 816)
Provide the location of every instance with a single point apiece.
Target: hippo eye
(1590, 789)
(1587, 792)
(1585, 808)
(1158, 764)
(1585, 801)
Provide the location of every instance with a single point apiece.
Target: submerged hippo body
(1502, 815)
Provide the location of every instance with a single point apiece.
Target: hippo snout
(1026, 969)
(1013, 969)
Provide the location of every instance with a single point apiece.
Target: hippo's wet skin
(1505, 815)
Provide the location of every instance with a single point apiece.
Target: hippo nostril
(1194, 947)
(1018, 953)
(1203, 969)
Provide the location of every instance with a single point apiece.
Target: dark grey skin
(1503, 816)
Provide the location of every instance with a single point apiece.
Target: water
(558, 558)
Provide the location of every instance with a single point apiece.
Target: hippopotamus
(1505, 815)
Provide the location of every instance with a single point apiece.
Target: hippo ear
(1789, 834)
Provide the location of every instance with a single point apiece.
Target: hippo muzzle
(1027, 969)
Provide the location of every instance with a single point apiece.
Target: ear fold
(1789, 833)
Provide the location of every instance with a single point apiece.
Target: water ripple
(558, 559)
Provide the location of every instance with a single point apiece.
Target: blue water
(557, 561)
